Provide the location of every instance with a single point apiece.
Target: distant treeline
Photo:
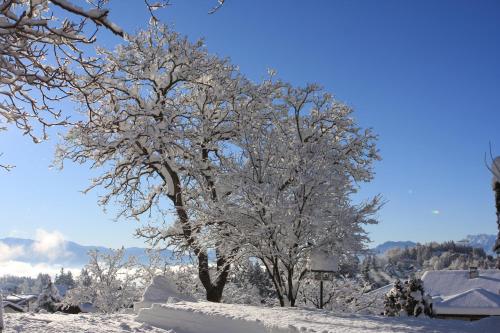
(404, 263)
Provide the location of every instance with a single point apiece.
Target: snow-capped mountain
(483, 241)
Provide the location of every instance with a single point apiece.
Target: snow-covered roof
(13, 306)
(454, 282)
(472, 302)
(20, 299)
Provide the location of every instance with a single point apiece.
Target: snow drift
(206, 317)
(161, 290)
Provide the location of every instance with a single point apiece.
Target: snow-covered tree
(162, 114)
(42, 280)
(109, 282)
(49, 299)
(288, 191)
(37, 52)
(394, 300)
(417, 302)
(65, 279)
(408, 299)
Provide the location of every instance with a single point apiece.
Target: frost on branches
(341, 294)
(251, 170)
(288, 192)
(407, 299)
(37, 51)
(108, 282)
(163, 113)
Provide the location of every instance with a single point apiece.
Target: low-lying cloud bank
(50, 245)
(20, 268)
(47, 247)
(10, 252)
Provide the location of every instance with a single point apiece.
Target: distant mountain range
(384, 247)
(70, 254)
(482, 241)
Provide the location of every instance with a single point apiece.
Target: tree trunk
(496, 248)
(274, 276)
(291, 296)
(213, 290)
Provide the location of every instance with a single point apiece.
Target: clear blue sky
(424, 74)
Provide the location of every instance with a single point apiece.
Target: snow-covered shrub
(49, 299)
(340, 294)
(407, 299)
(394, 300)
(417, 302)
(109, 282)
(249, 284)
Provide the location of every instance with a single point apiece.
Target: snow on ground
(205, 317)
(81, 323)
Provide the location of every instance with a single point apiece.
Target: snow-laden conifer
(49, 299)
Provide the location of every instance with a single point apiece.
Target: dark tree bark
(213, 289)
(496, 248)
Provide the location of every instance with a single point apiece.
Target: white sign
(321, 260)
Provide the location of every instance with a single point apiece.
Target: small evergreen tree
(49, 298)
(417, 302)
(407, 299)
(394, 300)
(65, 279)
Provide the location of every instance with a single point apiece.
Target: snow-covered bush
(109, 282)
(249, 284)
(186, 280)
(49, 299)
(394, 300)
(417, 302)
(407, 299)
(340, 294)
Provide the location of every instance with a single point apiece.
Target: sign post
(322, 263)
